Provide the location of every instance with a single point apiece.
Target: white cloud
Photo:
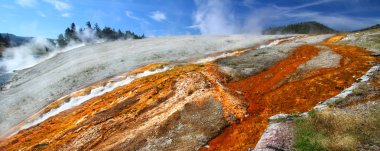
(66, 15)
(315, 3)
(214, 17)
(335, 21)
(130, 15)
(26, 3)
(40, 13)
(158, 16)
(59, 5)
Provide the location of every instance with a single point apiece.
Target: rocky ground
(353, 109)
(34, 88)
(278, 136)
(221, 101)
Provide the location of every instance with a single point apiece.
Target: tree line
(91, 33)
(4, 40)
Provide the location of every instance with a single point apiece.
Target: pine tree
(73, 27)
(98, 31)
(68, 33)
(128, 35)
(88, 24)
(107, 33)
(61, 41)
(73, 33)
(120, 34)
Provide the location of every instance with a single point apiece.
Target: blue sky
(48, 18)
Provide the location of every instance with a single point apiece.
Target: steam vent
(180, 98)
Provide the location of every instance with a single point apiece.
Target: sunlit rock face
(34, 88)
(181, 108)
(161, 106)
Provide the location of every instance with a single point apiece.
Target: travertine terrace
(278, 90)
(76, 69)
(219, 103)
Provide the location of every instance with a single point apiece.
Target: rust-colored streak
(268, 94)
(87, 90)
(335, 39)
(102, 120)
(126, 100)
(136, 109)
(227, 99)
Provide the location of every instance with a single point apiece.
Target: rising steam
(39, 50)
(21, 57)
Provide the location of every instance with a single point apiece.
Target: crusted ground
(278, 136)
(270, 92)
(221, 102)
(181, 108)
(80, 67)
(347, 121)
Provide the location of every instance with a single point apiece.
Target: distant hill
(377, 26)
(15, 40)
(300, 28)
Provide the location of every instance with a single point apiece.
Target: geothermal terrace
(175, 93)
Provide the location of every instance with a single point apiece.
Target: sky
(48, 18)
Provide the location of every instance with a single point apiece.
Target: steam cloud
(21, 57)
(39, 50)
(215, 17)
(89, 36)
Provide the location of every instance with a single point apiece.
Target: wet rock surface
(220, 104)
(278, 136)
(182, 108)
(270, 92)
(34, 88)
(255, 62)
